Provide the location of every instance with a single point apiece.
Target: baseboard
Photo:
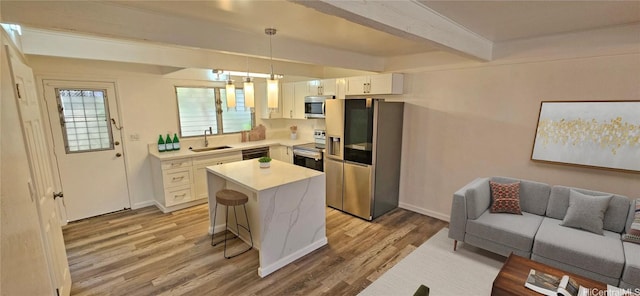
(179, 206)
(143, 204)
(266, 270)
(219, 228)
(424, 211)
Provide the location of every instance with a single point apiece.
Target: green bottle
(176, 142)
(168, 143)
(162, 147)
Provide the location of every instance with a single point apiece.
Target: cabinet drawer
(218, 158)
(177, 196)
(176, 177)
(175, 164)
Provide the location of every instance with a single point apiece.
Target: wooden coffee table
(514, 272)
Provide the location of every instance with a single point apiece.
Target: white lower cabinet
(281, 153)
(175, 196)
(200, 165)
(182, 183)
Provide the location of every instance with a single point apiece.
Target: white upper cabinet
(300, 90)
(288, 98)
(382, 84)
(293, 94)
(322, 87)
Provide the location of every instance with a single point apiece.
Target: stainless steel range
(310, 155)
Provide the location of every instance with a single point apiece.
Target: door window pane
(84, 120)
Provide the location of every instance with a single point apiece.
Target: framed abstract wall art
(602, 134)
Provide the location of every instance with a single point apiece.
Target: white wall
(463, 118)
(148, 107)
(478, 121)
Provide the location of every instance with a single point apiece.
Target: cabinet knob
(118, 154)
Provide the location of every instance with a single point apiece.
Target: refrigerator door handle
(327, 156)
(357, 163)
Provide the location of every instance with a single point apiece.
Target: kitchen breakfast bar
(286, 208)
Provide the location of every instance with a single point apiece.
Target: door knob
(118, 154)
(57, 194)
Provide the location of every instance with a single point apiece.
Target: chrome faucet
(206, 142)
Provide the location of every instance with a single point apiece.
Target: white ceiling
(366, 31)
(509, 20)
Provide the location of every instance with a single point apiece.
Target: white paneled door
(87, 140)
(43, 186)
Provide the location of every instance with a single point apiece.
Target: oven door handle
(308, 154)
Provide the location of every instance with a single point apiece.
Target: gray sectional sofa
(537, 233)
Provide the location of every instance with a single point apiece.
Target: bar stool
(228, 197)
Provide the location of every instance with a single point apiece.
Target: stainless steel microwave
(314, 106)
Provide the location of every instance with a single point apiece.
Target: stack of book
(552, 285)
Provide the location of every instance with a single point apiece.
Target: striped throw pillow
(633, 233)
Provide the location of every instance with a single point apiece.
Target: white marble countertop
(185, 152)
(249, 174)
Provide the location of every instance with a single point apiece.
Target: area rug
(467, 271)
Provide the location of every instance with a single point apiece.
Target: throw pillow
(633, 233)
(586, 211)
(506, 198)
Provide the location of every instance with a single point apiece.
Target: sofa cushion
(506, 198)
(533, 195)
(602, 254)
(615, 217)
(478, 198)
(515, 231)
(633, 227)
(631, 272)
(586, 211)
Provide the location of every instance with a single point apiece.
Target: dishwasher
(255, 153)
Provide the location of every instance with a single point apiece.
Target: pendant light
(272, 82)
(231, 94)
(249, 98)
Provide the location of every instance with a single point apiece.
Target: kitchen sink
(203, 149)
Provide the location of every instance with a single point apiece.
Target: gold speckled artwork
(600, 134)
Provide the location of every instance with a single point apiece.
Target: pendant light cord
(248, 68)
(271, 54)
(271, 32)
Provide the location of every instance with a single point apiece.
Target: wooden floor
(146, 252)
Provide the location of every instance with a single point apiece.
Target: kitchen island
(286, 208)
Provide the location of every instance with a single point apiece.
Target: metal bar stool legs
(247, 228)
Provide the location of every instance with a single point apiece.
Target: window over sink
(202, 107)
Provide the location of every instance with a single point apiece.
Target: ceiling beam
(109, 19)
(408, 19)
(172, 58)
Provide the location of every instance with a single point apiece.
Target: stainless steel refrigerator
(362, 159)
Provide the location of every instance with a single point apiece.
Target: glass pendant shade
(272, 93)
(272, 82)
(231, 94)
(249, 97)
